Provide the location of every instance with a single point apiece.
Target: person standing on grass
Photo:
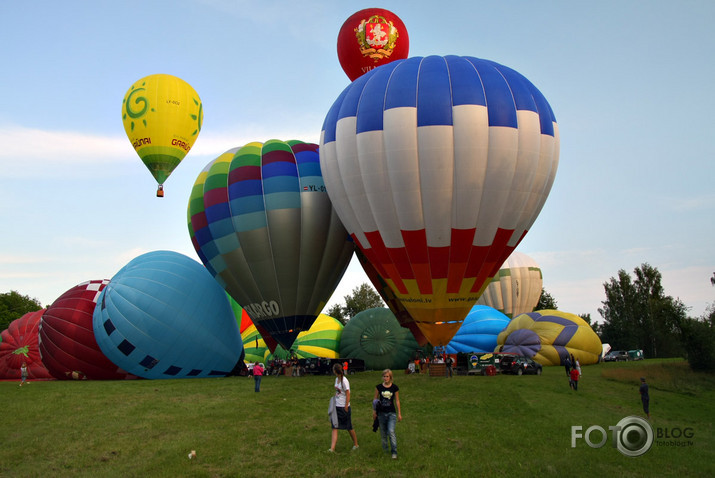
(448, 363)
(257, 375)
(387, 411)
(574, 378)
(567, 366)
(342, 408)
(645, 398)
(23, 373)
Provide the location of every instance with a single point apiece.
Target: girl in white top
(342, 405)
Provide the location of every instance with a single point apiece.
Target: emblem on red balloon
(370, 38)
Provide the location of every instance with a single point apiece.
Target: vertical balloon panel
(438, 167)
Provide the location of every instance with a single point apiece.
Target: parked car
(520, 365)
(616, 356)
(635, 354)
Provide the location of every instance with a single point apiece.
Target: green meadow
(464, 426)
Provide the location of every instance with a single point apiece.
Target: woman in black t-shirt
(387, 410)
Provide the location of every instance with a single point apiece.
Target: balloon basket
(160, 191)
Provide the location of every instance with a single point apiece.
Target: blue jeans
(387, 430)
(257, 378)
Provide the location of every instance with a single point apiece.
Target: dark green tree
(336, 312)
(698, 337)
(546, 301)
(638, 315)
(13, 305)
(362, 298)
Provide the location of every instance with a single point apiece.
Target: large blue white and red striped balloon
(438, 167)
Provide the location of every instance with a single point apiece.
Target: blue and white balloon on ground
(164, 316)
(479, 331)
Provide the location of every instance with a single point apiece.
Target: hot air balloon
(516, 288)
(438, 167)
(66, 337)
(162, 116)
(549, 336)
(254, 345)
(164, 316)
(321, 340)
(263, 225)
(19, 344)
(479, 331)
(370, 38)
(375, 336)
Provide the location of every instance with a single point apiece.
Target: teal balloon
(375, 336)
(164, 316)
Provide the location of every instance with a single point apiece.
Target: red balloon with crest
(370, 38)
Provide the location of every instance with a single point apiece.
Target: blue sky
(628, 82)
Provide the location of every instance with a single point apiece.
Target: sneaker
(394, 456)
(330, 450)
(356, 447)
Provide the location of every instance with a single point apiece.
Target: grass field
(464, 426)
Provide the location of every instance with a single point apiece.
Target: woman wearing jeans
(387, 410)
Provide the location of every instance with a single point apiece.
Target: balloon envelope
(67, 344)
(162, 116)
(370, 38)
(479, 331)
(375, 336)
(549, 336)
(321, 340)
(20, 344)
(261, 221)
(438, 167)
(516, 288)
(163, 316)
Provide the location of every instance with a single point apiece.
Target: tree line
(637, 314)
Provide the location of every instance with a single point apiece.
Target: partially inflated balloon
(550, 336)
(375, 336)
(67, 344)
(438, 167)
(370, 38)
(263, 225)
(479, 331)
(516, 288)
(321, 340)
(163, 316)
(162, 116)
(20, 344)
(254, 345)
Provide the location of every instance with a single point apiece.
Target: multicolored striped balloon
(321, 340)
(262, 223)
(438, 167)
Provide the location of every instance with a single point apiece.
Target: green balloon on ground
(375, 336)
